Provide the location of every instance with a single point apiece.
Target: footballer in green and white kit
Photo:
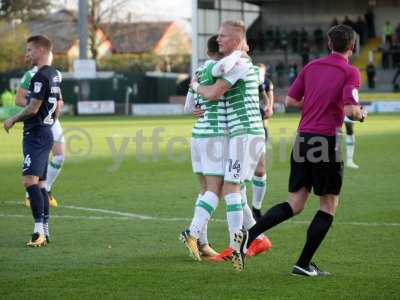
(209, 134)
(245, 127)
(208, 151)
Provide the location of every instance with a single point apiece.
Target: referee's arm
(355, 112)
(352, 108)
(295, 97)
(291, 102)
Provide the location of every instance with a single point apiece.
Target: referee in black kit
(325, 91)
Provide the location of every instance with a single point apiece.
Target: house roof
(60, 27)
(135, 37)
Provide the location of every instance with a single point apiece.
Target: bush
(12, 50)
(143, 62)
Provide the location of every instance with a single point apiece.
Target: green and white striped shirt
(213, 123)
(242, 100)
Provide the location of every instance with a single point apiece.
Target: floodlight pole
(194, 61)
(83, 37)
(83, 28)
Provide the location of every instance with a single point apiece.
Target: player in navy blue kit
(43, 107)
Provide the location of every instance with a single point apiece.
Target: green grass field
(103, 247)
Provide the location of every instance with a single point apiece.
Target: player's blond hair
(238, 25)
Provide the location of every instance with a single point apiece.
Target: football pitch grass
(123, 203)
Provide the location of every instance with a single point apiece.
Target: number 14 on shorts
(234, 167)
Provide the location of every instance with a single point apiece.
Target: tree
(101, 14)
(24, 10)
(13, 43)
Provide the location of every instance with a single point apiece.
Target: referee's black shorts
(316, 164)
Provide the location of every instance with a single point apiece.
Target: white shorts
(57, 131)
(243, 156)
(209, 155)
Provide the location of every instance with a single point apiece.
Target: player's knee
(260, 172)
(58, 149)
(214, 184)
(261, 165)
(230, 188)
(297, 207)
(297, 200)
(42, 184)
(329, 204)
(28, 181)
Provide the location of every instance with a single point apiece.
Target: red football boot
(259, 246)
(225, 255)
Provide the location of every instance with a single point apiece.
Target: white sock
(53, 170)
(205, 207)
(234, 214)
(38, 228)
(259, 190)
(350, 147)
(203, 238)
(46, 229)
(248, 219)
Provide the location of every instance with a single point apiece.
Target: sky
(145, 10)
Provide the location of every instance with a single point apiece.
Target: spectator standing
(347, 21)
(396, 87)
(385, 48)
(334, 22)
(361, 28)
(305, 53)
(269, 35)
(397, 31)
(280, 70)
(371, 73)
(294, 40)
(303, 36)
(370, 20)
(292, 73)
(395, 52)
(388, 33)
(319, 39)
(278, 38)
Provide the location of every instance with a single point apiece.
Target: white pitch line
(144, 217)
(70, 217)
(106, 211)
(131, 216)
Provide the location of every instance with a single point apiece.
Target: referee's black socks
(275, 215)
(316, 232)
(37, 202)
(46, 204)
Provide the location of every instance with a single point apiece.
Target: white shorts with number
(244, 153)
(57, 131)
(209, 155)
